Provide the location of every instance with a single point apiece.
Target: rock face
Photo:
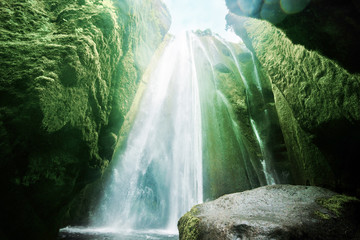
(318, 105)
(273, 11)
(274, 212)
(70, 70)
(329, 27)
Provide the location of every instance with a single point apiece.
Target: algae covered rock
(189, 225)
(330, 27)
(318, 104)
(238, 97)
(274, 212)
(70, 70)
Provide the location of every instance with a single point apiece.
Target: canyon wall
(316, 89)
(69, 73)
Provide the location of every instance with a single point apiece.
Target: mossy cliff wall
(330, 27)
(69, 73)
(239, 95)
(228, 155)
(318, 103)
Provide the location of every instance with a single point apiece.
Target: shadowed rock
(273, 11)
(318, 105)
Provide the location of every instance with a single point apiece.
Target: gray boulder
(274, 212)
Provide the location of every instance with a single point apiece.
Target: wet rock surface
(329, 27)
(70, 70)
(317, 102)
(274, 212)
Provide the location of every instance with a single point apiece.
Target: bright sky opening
(200, 14)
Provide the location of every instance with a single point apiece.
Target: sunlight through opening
(200, 15)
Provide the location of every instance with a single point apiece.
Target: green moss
(307, 79)
(335, 204)
(69, 74)
(322, 215)
(317, 103)
(189, 226)
(225, 120)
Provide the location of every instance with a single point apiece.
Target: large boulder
(69, 72)
(274, 212)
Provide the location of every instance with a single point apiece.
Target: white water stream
(158, 177)
(183, 121)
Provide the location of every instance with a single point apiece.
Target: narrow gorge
(114, 125)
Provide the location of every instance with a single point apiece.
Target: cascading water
(187, 143)
(269, 178)
(254, 91)
(158, 177)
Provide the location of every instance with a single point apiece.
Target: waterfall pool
(74, 233)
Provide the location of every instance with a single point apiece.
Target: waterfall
(158, 177)
(268, 176)
(254, 93)
(187, 142)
